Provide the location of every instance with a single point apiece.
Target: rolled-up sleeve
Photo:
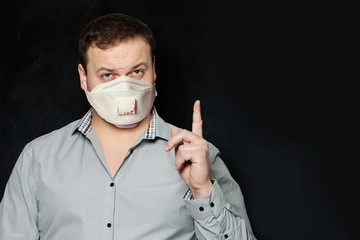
(18, 208)
(222, 214)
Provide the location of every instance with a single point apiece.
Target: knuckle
(204, 151)
(201, 150)
(185, 131)
(205, 148)
(181, 148)
(205, 143)
(181, 153)
(178, 162)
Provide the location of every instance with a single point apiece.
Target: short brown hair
(108, 30)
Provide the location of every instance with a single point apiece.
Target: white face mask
(123, 101)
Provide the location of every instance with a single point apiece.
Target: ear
(82, 75)
(153, 69)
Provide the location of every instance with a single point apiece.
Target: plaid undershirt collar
(85, 124)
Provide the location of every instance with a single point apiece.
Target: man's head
(112, 47)
(109, 30)
(116, 45)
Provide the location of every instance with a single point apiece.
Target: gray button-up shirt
(61, 188)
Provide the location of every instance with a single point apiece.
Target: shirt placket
(107, 222)
(109, 209)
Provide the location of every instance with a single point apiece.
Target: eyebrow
(145, 65)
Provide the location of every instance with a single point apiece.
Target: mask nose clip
(126, 106)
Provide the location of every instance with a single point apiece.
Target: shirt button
(226, 236)
(212, 204)
(201, 209)
(109, 225)
(112, 184)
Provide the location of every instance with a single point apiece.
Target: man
(121, 172)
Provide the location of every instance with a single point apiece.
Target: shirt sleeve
(18, 208)
(222, 214)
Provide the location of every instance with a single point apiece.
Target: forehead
(122, 55)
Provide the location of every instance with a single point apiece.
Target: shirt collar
(84, 125)
(150, 132)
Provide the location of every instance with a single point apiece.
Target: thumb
(174, 131)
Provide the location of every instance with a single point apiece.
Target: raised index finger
(197, 121)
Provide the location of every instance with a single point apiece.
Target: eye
(107, 76)
(137, 71)
(136, 74)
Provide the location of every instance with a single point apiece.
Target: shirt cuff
(206, 206)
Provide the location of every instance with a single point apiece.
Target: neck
(108, 130)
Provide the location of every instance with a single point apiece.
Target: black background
(276, 80)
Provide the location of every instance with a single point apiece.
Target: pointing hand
(192, 155)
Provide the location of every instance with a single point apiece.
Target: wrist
(202, 191)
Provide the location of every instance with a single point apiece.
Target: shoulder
(53, 140)
(41, 148)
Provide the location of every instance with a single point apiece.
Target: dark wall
(275, 80)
